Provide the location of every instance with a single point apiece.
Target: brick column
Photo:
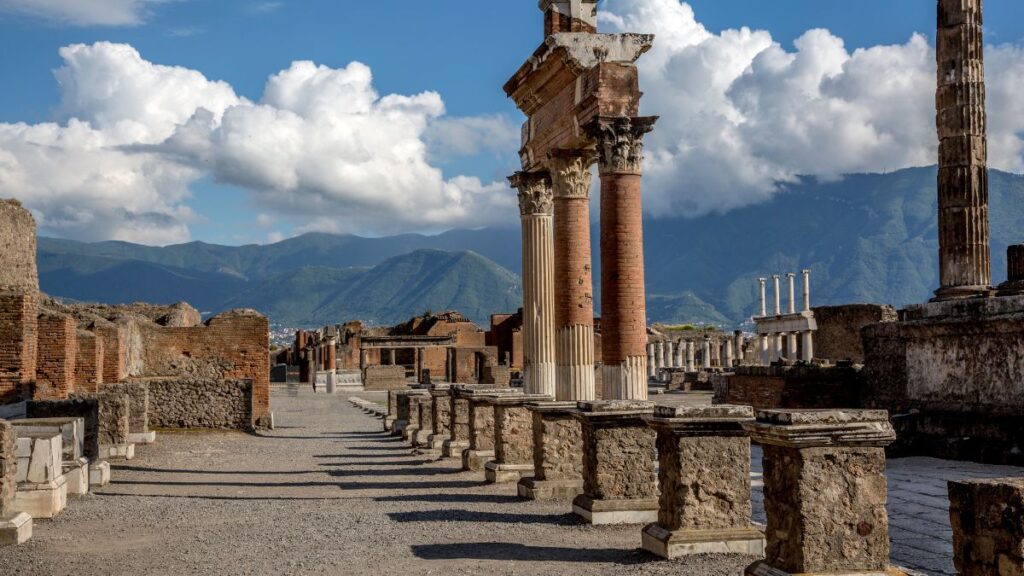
(536, 216)
(57, 347)
(623, 299)
(89, 363)
(964, 258)
(824, 491)
(18, 332)
(988, 534)
(574, 284)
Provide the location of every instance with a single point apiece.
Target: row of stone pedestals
(684, 473)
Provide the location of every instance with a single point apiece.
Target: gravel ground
(325, 493)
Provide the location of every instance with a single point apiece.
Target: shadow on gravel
(476, 516)
(447, 498)
(251, 498)
(238, 484)
(523, 553)
(409, 454)
(233, 472)
(448, 485)
(394, 472)
(374, 463)
(406, 447)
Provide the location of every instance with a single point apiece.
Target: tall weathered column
(536, 209)
(332, 354)
(623, 300)
(964, 259)
(574, 283)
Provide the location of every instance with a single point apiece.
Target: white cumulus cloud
(83, 12)
(740, 113)
(321, 147)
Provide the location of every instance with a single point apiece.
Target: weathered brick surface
(18, 333)
(987, 517)
(234, 345)
(838, 334)
(88, 362)
(56, 352)
(623, 300)
(198, 403)
(574, 278)
(8, 467)
(468, 364)
(85, 407)
(766, 387)
(384, 378)
(115, 349)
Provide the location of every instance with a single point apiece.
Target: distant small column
(773, 348)
(777, 294)
(728, 360)
(659, 356)
(807, 290)
(670, 354)
(391, 356)
(739, 342)
(680, 360)
(706, 354)
(791, 278)
(691, 364)
(652, 370)
(764, 347)
(332, 354)
(808, 346)
(792, 352)
(764, 296)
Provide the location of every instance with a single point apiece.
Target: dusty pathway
(325, 493)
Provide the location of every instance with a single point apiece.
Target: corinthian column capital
(534, 192)
(570, 173)
(620, 142)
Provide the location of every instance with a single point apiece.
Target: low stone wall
(138, 403)
(115, 418)
(384, 378)
(8, 467)
(803, 387)
(87, 408)
(838, 335)
(190, 403)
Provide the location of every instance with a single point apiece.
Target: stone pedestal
(988, 526)
(42, 499)
(620, 485)
(426, 421)
(513, 438)
(76, 473)
(557, 453)
(392, 415)
(458, 418)
(15, 528)
(142, 437)
(704, 477)
(99, 474)
(440, 425)
(118, 451)
(824, 492)
(481, 427)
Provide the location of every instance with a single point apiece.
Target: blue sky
(462, 50)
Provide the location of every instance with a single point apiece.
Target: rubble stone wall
(8, 467)
(619, 461)
(198, 403)
(234, 345)
(138, 403)
(513, 435)
(838, 335)
(56, 352)
(558, 442)
(481, 419)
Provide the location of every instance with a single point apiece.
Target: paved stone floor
(327, 493)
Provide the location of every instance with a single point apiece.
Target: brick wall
(797, 387)
(384, 378)
(56, 351)
(469, 362)
(115, 349)
(18, 329)
(88, 362)
(234, 345)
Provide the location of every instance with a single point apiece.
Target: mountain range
(865, 237)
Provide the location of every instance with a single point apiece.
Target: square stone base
(453, 449)
(436, 441)
(475, 460)
(532, 489)
(99, 474)
(762, 568)
(496, 473)
(142, 437)
(76, 473)
(398, 427)
(16, 529)
(599, 512)
(421, 438)
(389, 423)
(42, 500)
(118, 451)
(408, 432)
(677, 544)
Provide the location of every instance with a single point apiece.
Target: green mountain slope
(866, 238)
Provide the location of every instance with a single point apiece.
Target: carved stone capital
(570, 173)
(620, 142)
(534, 192)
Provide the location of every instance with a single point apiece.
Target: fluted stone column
(574, 284)
(623, 299)
(536, 216)
(691, 364)
(777, 294)
(762, 282)
(964, 258)
(705, 354)
(807, 290)
(670, 354)
(807, 354)
(652, 370)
